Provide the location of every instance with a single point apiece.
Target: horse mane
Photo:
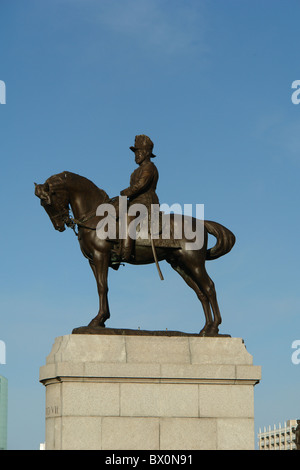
(80, 182)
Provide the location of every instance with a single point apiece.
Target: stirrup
(126, 257)
(115, 261)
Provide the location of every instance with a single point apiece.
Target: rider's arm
(142, 184)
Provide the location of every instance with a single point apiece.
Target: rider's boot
(115, 259)
(127, 250)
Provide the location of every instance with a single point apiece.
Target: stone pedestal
(122, 392)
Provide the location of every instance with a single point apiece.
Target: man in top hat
(143, 182)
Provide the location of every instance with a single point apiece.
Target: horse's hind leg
(207, 286)
(100, 270)
(201, 296)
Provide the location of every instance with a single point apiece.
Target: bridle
(62, 212)
(72, 222)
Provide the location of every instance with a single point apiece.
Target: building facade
(281, 438)
(3, 412)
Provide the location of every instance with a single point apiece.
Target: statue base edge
(89, 330)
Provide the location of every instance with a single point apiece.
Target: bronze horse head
(55, 201)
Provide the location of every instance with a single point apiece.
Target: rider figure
(143, 182)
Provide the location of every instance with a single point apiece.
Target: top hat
(143, 142)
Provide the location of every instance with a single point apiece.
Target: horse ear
(37, 190)
(42, 191)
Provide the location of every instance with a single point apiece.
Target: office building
(281, 438)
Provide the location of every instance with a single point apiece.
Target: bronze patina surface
(68, 191)
(87, 330)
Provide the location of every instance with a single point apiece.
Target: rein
(72, 222)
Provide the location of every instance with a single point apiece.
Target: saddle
(162, 231)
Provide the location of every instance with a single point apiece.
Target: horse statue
(67, 190)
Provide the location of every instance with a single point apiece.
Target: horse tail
(225, 240)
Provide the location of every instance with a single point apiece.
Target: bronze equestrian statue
(67, 190)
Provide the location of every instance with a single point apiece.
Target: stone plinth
(122, 392)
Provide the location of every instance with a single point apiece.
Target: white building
(281, 438)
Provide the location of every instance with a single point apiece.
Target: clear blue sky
(210, 83)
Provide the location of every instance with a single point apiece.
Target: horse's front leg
(100, 266)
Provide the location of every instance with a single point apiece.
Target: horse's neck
(85, 197)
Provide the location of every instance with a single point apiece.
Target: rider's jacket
(143, 182)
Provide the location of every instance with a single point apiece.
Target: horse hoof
(96, 324)
(209, 331)
(213, 331)
(205, 330)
